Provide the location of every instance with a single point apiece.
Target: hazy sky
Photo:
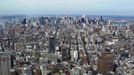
(91, 7)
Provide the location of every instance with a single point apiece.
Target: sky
(66, 7)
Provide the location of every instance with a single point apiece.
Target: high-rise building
(101, 19)
(105, 62)
(5, 63)
(42, 21)
(24, 21)
(131, 27)
(51, 45)
(65, 53)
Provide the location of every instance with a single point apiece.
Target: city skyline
(89, 7)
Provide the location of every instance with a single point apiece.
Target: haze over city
(90, 7)
(66, 37)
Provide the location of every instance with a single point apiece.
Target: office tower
(24, 21)
(74, 56)
(101, 19)
(5, 63)
(84, 59)
(51, 45)
(131, 27)
(105, 62)
(83, 20)
(65, 53)
(42, 21)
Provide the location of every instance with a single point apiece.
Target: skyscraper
(51, 45)
(105, 62)
(24, 21)
(5, 63)
(42, 21)
(65, 53)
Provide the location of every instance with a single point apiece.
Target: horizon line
(65, 15)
